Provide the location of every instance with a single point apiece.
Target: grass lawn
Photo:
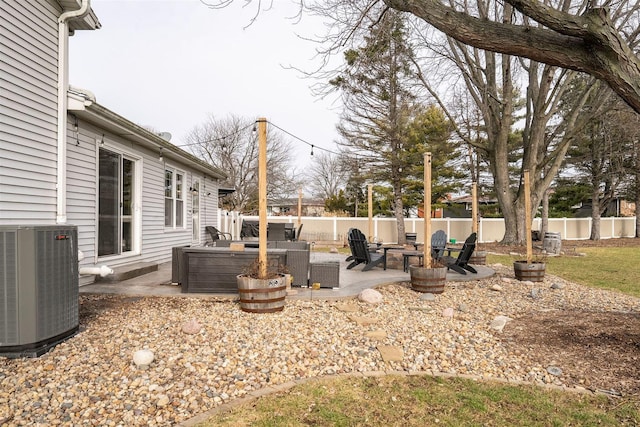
(607, 268)
(427, 401)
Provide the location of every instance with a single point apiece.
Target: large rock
(498, 323)
(370, 296)
(143, 358)
(448, 312)
(191, 327)
(391, 353)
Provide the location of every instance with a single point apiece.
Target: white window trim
(137, 201)
(198, 240)
(174, 188)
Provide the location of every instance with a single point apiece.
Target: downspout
(63, 83)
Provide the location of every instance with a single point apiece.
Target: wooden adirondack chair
(459, 264)
(360, 252)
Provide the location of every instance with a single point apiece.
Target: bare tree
(494, 84)
(230, 144)
(328, 174)
(604, 149)
(572, 35)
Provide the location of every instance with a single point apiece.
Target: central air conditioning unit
(39, 305)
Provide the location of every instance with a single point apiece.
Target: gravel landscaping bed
(90, 379)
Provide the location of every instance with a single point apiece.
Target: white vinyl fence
(323, 229)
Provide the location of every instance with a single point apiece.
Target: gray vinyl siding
(82, 205)
(81, 188)
(28, 147)
(28, 107)
(209, 210)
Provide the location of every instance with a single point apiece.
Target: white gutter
(86, 94)
(63, 83)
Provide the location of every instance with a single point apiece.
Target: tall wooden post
(262, 196)
(299, 207)
(427, 210)
(370, 203)
(527, 216)
(474, 208)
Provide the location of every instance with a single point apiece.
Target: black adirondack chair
(360, 252)
(217, 234)
(438, 244)
(459, 264)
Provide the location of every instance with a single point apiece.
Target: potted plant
(262, 289)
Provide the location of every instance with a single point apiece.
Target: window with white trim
(173, 198)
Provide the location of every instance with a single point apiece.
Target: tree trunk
(588, 43)
(399, 212)
(544, 223)
(637, 198)
(595, 215)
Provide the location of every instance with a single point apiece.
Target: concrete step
(129, 271)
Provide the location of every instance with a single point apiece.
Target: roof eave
(98, 115)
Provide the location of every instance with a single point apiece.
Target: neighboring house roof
(468, 199)
(223, 191)
(294, 202)
(83, 104)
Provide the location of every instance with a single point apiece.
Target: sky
(169, 64)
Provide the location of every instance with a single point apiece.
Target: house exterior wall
(28, 107)
(28, 146)
(82, 197)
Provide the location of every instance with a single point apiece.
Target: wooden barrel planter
(552, 243)
(428, 280)
(478, 258)
(262, 295)
(529, 271)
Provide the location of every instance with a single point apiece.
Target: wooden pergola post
(427, 210)
(262, 196)
(527, 216)
(474, 208)
(299, 207)
(370, 203)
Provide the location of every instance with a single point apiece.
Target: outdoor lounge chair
(276, 231)
(361, 253)
(459, 264)
(217, 234)
(438, 244)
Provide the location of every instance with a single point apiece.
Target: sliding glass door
(116, 203)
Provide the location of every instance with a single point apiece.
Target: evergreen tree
(382, 125)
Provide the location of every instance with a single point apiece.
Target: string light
(302, 140)
(254, 130)
(222, 138)
(75, 127)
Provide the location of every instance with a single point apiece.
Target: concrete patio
(352, 282)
